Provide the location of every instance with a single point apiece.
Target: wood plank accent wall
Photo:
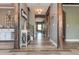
(60, 19)
(16, 41)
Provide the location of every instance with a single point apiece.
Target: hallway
(35, 29)
(39, 44)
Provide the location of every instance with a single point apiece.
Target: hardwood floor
(71, 45)
(6, 45)
(39, 44)
(44, 47)
(42, 44)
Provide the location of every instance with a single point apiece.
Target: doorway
(71, 26)
(44, 39)
(39, 30)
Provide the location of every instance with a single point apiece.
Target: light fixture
(39, 10)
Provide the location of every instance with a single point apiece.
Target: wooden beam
(41, 16)
(16, 41)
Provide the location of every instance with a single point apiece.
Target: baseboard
(72, 40)
(53, 42)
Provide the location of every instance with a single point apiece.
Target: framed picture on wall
(23, 14)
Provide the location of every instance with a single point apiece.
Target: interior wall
(6, 28)
(53, 23)
(3, 14)
(72, 22)
(6, 25)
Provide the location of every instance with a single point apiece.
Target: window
(39, 27)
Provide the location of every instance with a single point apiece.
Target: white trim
(6, 7)
(72, 5)
(72, 40)
(53, 42)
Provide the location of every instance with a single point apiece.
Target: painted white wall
(72, 23)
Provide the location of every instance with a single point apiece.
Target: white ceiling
(43, 6)
(32, 6)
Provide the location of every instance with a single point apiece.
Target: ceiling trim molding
(6, 7)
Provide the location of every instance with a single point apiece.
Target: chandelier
(39, 10)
